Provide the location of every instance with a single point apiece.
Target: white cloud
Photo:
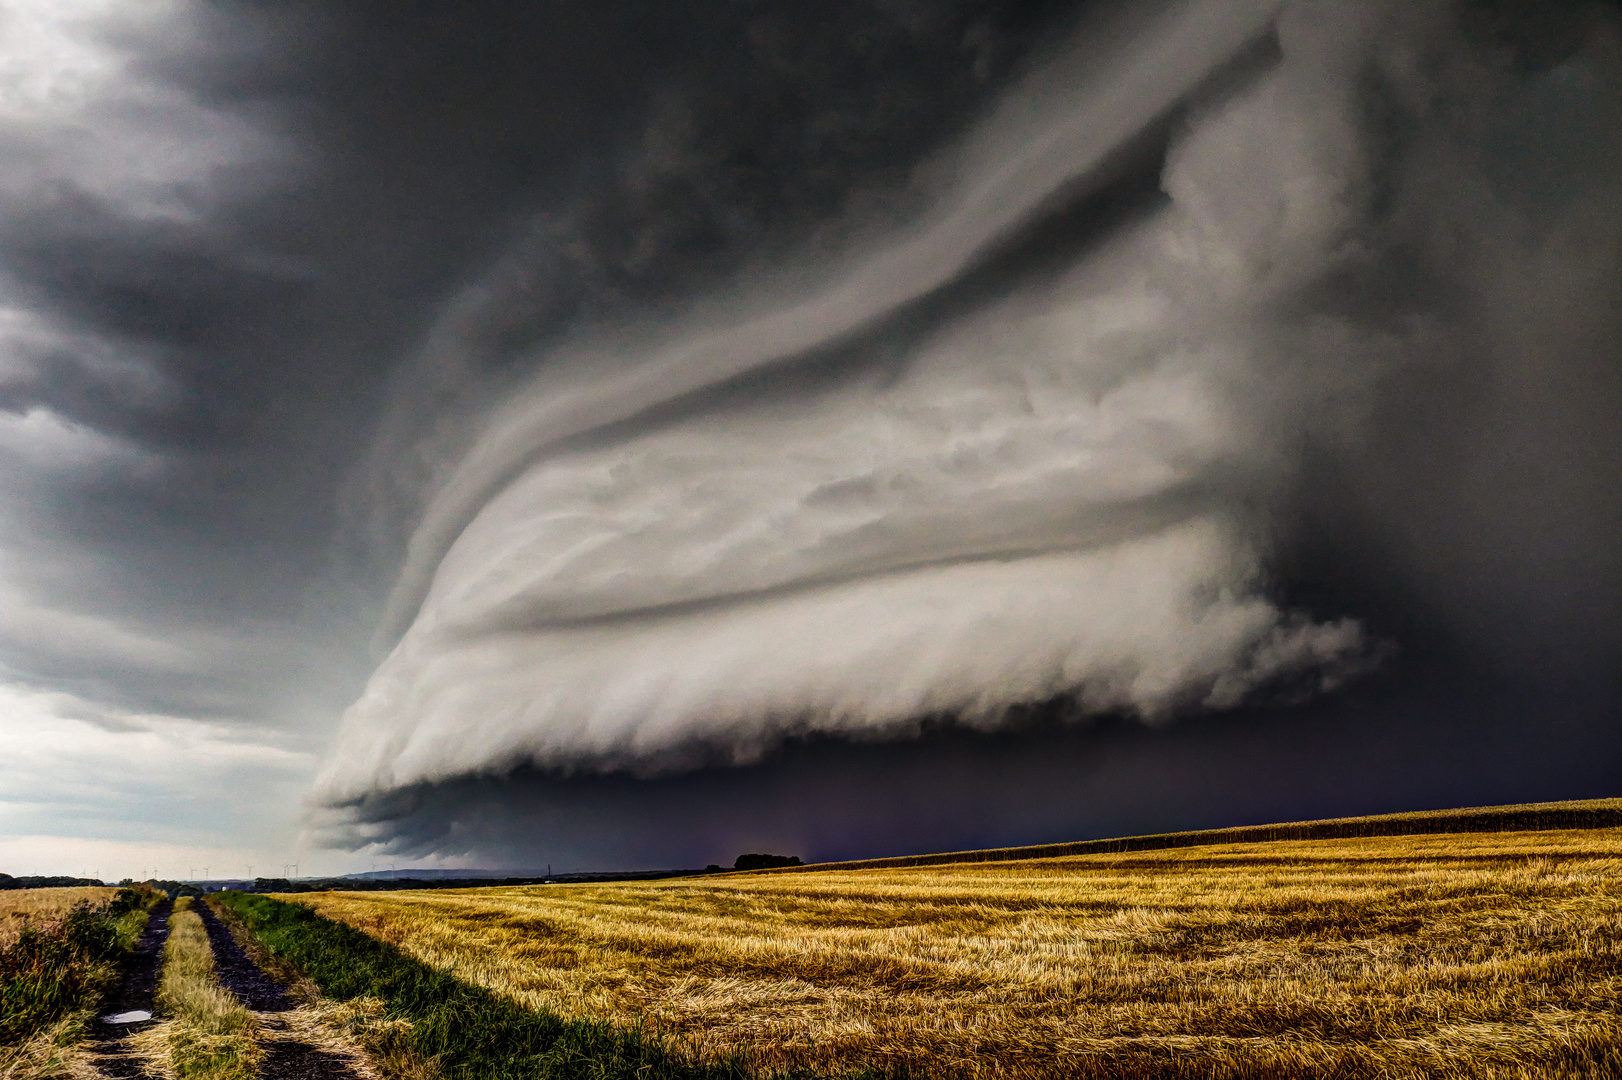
(1134, 626)
(42, 441)
(58, 748)
(51, 62)
(1049, 498)
(136, 790)
(74, 112)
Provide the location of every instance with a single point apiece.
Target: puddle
(134, 1016)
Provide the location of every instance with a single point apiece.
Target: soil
(289, 1059)
(286, 1057)
(237, 972)
(109, 1051)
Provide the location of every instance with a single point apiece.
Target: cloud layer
(924, 391)
(1063, 489)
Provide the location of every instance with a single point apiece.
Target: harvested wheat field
(1494, 954)
(21, 906)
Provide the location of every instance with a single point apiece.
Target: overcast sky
(627, 434)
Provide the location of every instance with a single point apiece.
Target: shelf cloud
(951, 471)
(627, 431)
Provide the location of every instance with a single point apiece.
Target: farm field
(1459, 955)
(61, 952)
(19, 907)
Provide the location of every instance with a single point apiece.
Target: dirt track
(286, 1056)
(236, 972)
(109, 1051)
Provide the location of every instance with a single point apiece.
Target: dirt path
(290, 1059)
(109, 1050)
(287, 1057)
(236, 972)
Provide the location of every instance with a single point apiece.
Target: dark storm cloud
(1311, 364)
(356, 164)
(226, 230)
(1414, 741)
(1389, 250)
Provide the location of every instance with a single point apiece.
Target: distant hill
(432, 875)
(1519, 817)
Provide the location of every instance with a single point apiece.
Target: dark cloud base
(1403, 741)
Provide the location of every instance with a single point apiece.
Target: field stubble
(19, 907)
(1466, 955)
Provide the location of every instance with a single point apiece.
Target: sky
(623, 435)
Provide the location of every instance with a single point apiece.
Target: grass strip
(53, 975)
(468, 1032)
(358, 1030)
(207, 1034)
(1520, 817)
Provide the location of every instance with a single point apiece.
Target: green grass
(468, 1032)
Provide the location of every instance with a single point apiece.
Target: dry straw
(1466, 955)
(207, 1034)
(18, 907)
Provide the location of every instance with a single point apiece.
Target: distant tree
(54, 881)
(713, 868)
(765, 862)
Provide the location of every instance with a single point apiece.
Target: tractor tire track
(236, 971)
(287, 1057)
(290, 1059)
(109, 1049)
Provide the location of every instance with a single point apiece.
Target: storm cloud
(583, 424)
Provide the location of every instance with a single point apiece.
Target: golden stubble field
(1466, 955)
(18, 907)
